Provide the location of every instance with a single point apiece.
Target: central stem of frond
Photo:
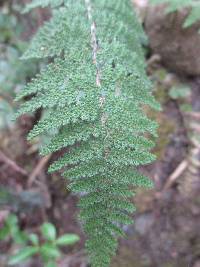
(94, 42)
(95, 48)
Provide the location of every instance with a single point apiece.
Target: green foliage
(11, 229)
(182, 91)
(101, 122)
(174, 5)
(30, 244)
(13, 73)
(49, 231)
(7, 25)
(23, 255)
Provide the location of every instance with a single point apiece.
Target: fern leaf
(93, 93)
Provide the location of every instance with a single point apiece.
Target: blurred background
(38, 215)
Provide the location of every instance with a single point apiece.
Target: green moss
(166, 128)
(161, 94)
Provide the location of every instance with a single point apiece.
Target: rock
(178, 47)
(144, 223)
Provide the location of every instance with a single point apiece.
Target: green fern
(174, 5)
(94, 91)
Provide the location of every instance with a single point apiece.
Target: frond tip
(93, 95)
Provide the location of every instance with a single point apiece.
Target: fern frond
(93, 93)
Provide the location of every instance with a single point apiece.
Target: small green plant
(47, 247)
(11, 230)
(174, 5)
